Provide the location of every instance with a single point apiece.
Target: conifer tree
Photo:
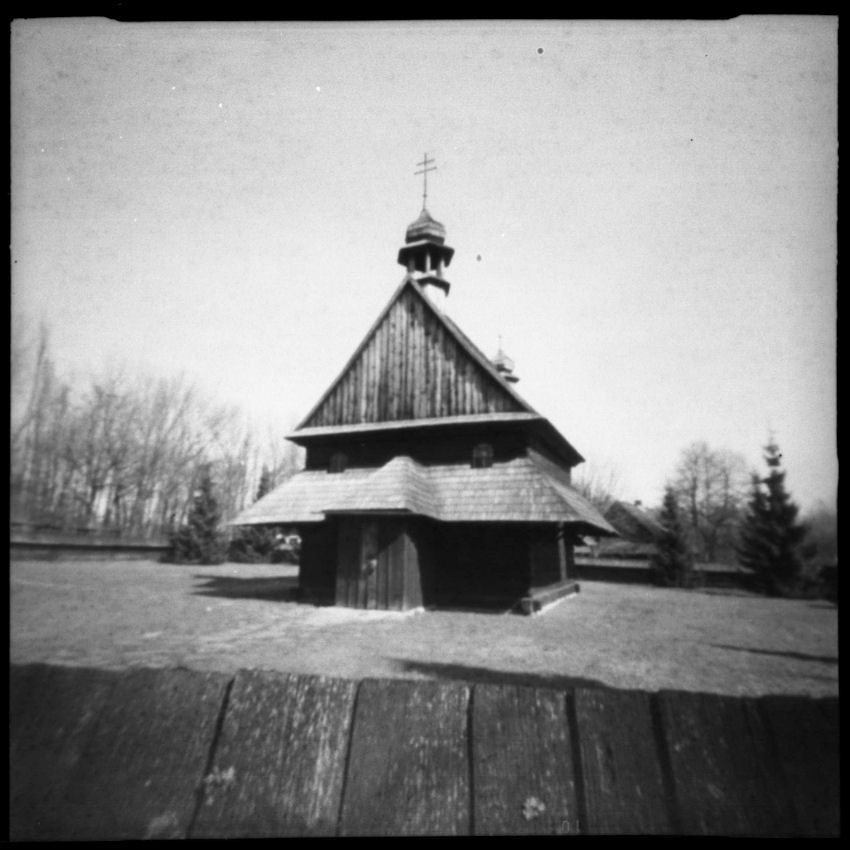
(770, 535)
(199, 540)
(265, 484)
(253, 544)
(672, 561)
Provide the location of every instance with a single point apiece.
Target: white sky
(653, 204)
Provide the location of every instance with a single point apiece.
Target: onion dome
(505, 366)
(425, 227)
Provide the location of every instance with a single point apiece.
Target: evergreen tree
(770, 535)
(253, 544)
(265, 485)
(199, 540)
(672, 561)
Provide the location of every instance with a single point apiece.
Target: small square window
(338, 462)
(482, 456)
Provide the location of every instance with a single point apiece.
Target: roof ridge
(451, 327)
(471, 348)
(357, 351)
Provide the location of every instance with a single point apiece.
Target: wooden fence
(638, 571)
(181, 754)
(52, 546)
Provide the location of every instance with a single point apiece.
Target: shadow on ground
(724, 591)
(277, 588)
(799, 656)
(468, 673)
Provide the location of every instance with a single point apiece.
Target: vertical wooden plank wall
(412, 568)
(396, 583)
(725, 775)
(52, 714)
(279, 762)
(411, 367)
(317, 574)
(347, 560)
(176, 753)
(522, 762)
(415, 783)
(545, 566)
(622, 768)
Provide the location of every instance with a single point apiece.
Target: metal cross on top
(426, 167)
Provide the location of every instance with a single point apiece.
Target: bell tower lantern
(425, 254)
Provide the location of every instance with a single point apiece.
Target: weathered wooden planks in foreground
(175, 753)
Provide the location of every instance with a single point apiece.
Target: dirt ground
(122, 614)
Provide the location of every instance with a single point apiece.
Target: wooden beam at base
(544, 598)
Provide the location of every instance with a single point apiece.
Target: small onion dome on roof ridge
(425, 228)
(505, 366)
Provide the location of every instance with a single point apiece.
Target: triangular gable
(414, 363)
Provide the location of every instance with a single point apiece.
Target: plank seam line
(219, 725)
(470, 755)
(578, 766)
(347, 765)
(665, 762)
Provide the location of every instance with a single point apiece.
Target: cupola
(504, 365)
(425, 254)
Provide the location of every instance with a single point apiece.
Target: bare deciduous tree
(599, 484)
(121, 453)
(711, 486)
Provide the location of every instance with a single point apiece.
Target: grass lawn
(121, 614)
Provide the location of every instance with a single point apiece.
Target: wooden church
(429, 481)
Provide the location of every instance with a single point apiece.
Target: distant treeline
(121, 453)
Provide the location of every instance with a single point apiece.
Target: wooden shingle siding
(514, 491)
(633, 523)
(412, 367)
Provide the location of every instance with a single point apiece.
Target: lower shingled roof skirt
(513, 491)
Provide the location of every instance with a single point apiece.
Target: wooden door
(370, 565)
(377, 565)
(347, 562)
(359, 563)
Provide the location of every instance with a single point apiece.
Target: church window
(338, 462)
(482, 456)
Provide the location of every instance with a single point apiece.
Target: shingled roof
(520, 490)
(634, 523)
(399, 485)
